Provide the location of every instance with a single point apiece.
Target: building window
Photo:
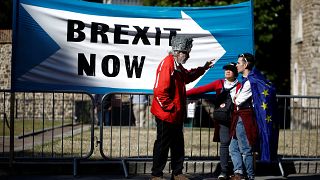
(299, 27)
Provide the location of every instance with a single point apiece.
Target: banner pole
(252, 22)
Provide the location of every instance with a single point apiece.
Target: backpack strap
(233, 86)
(222, 84)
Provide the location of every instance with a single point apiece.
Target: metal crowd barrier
(299, 137)
(62, 126)
(46, 127)
(300, 129)
(125, 140)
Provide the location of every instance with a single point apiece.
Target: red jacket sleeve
(193, 74)
(162, 90)
(213, 86)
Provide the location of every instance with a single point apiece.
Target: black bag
(223, 106)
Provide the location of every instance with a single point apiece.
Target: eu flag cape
(265, 107)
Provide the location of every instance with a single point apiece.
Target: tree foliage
(5, 14)
(272, 35)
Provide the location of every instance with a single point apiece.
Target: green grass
(28, 126)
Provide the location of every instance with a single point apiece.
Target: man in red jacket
(169, 106)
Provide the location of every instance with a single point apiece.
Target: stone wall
(5, 59)
(305, 61)
(305, 53)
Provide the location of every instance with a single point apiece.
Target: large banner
(101, 48)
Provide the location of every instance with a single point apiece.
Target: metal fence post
(12, 101)
(75, 167)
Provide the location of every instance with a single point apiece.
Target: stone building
(305, 47)
(305, 62)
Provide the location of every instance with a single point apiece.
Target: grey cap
(181, 43)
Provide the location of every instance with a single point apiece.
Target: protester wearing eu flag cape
(244, 128)
(254, 122)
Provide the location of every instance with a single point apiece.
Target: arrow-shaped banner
(99, 48)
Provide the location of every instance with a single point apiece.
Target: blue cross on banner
(265, 107)
(101, 48)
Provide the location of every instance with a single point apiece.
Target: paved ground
(102, 170)
(192, 177)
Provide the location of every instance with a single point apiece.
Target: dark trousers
(224, 148)
(169, 136)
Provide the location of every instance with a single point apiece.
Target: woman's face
(241, 65)
(228, 74)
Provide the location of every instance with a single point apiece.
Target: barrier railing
(299, 137)
(60, 126)
(46, 126)
(124, 140)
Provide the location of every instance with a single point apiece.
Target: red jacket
(213, 86)
(169, 101)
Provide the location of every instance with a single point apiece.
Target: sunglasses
(244, 57)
